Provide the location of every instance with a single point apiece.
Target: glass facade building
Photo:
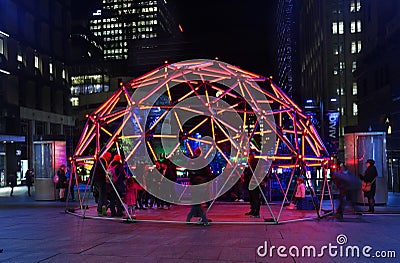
(120, 21)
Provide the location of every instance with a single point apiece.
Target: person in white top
(300, 192)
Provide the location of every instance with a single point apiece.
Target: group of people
(125, 188)
(29, 177)
(349, 186)
(65, 183)
(108, 196)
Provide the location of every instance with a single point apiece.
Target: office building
(34, 85)
(129, 30)
(378, 80)
(331, 42)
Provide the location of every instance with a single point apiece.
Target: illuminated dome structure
(224, 110)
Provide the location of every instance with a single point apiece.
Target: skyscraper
(331, 35)
(121, 21)
(287, 22)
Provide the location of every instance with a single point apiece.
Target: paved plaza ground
(41, 231)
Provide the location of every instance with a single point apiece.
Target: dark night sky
(237, 32)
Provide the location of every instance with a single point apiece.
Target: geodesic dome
(224, 110)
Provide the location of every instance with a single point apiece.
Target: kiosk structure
(49, 156)
(226, 111)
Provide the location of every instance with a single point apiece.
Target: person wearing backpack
(116, 173)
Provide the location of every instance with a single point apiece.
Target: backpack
(110, 173)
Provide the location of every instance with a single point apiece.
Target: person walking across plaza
(348, 185)
(29, 180)
(12, 179)
(369, 177)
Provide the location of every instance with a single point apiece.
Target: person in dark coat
(370, 176)
(254, 195)
(169, 172)
(71, 183)
(116, 206)
(29, 180)
(12, 179)
(99, 182)
(62, 182)
(197, 177)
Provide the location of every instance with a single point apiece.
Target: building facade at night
(133, 38)
(287, 16)
(379, 82)
(34, 85)
(127, 29)
(347, 51)
(331, 42)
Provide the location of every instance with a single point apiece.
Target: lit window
(352, 6)
(334, 28)
(338, 49)
(1, 45)
(358, 26)
(341, 28)
(75, 101)
(340, 91)
(63, 74)
(342, 111)
(355, 109)
(354, 66)
(51, 68)
(353, 27)
(355, 6)
(342, 65)
(353, 47)
(19, 55)
(355, 89)
(36, 61)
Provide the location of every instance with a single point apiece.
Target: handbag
(366, 186)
